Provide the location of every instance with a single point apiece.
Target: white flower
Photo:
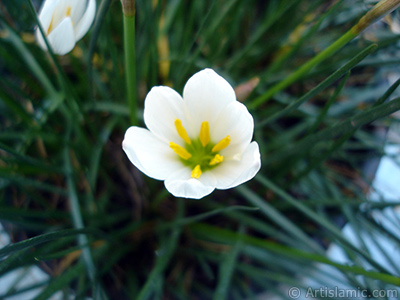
(197, 143)
(65, 22)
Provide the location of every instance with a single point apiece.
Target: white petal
(149, 154)
(46, 13)
(78, 8)
(231, 173)
(161, 107)
(45, 16)
(235, 121)
(59, 12)
(62, 38)
(86, 20)
(181, 184)
(206, 94)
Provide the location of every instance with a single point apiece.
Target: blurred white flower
(65, 22)
(198, 143)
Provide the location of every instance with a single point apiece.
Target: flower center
(200, 154)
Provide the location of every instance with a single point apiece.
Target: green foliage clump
(75, 206)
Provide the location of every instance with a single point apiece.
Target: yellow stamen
(182, 131)
(68, 13)
(205, 133)
(182, 152)
(222, 144)
(196, 172)
(216, 160)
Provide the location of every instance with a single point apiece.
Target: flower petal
(231, 173)
(162, 107)
(85, 21)
(181, 184)
(205, 95)
(46, 13)
(45, 16)
(62, 38)
(235, 121)
(78, 8)
(149, 154)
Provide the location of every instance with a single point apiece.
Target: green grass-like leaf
(34, 241)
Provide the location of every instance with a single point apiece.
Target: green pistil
(200, 155)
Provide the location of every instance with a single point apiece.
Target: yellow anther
(196, 172)
(216, 160)
(182, 152)
(182, 131)
(222, 144)
(205, 133)
(68, 13)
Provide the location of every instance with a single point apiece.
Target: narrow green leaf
(226, 268)
(323, 85)
(324, 156)
(305, 68)
(70, 274)
(340, 129)
(321, 116)
(14, 258)
(15, 106)
(77, 216)
(40, 239)
(98, 149)
(279, 219)
(278, 63)
(32, 161)
(163, 259)
(224, 235)
(211, 28)
(12, 293)
(97, 24)
(321, 220)
(259, 32)
(203, 216)
(130, 66)
(109, 107)
(31, 62)
(389, 92)
(59, 254)
(7, 175)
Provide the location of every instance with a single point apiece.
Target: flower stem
(378, 11)
(130, 58)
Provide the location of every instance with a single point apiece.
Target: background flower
(65, 22)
